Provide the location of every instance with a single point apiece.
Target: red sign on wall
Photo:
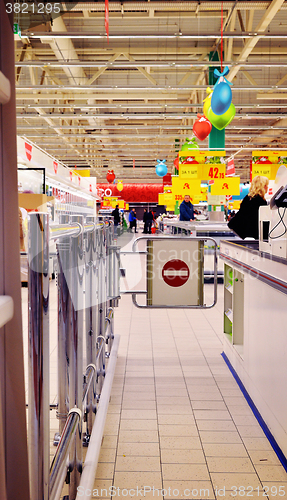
(28, 151)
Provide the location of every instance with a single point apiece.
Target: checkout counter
(255, 317)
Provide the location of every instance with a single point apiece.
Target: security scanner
(273, 225)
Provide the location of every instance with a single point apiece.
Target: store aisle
(177, 420)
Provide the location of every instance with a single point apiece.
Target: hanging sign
(165, 198)
(267, 163)
(203, 165)
(230, 170)
(28, 151)
(230, 185)
(204, 172)
(182, 187)
(189, 171)
(55, 165)
(107, 18)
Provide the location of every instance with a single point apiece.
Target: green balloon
(221, 121)
(189, 144)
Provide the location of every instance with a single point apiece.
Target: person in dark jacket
(117, 218)
(245, 222)
(145, 221)
(149, 221)
(133, 220)
(186, 209)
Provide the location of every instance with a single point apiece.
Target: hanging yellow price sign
(182, 187)
(229, 185)
(187, 171)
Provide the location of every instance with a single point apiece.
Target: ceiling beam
(249, 45)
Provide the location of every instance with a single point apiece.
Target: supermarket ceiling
(132, 99)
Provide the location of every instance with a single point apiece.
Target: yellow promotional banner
(196, 152)
(204, 172)
(267, 170)
(273, 156)
(165, 198)
(190, 171)
(213, 171)
(161, 199)
(168, 198)
(121, 203)
(267, 163)
(229, 185)
(84, 172)
(182, 187)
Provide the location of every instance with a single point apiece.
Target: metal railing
(6, 313)
(88, 289)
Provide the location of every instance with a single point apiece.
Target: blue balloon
(221, 98)
(161, 168)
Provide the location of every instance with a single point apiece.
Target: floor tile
(138, 449)
(178, 430)
(138, 425)
(215, 425)
(224, 450)
(189, 490)
(138, 436)
(138, 479)
(264, 457)
(197, 472)
(271, 473)
(228, 464)
(234, 480)
(219, 437)
(107, 455)
(182, 456)
(180, 443)
(144, 464)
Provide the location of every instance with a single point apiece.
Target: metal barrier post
(58, 469)
(75, 350)
(38, 411)
(64, 325)
(91, 315)
(102, 305)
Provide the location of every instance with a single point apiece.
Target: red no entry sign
(175, 272)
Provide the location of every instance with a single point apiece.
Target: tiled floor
(178, 426)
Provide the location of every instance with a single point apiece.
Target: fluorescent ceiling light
(196, 36)
(108, 88)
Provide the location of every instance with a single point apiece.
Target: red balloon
(176, 162)
(202, 127)
(110, 176)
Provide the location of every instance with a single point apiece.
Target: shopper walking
(117, 218)
(150, 220)
(133, 220)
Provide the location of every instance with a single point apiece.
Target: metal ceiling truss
(92, 103)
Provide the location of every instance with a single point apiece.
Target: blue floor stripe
(257, 415)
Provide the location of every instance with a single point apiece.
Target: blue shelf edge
(257, 415)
